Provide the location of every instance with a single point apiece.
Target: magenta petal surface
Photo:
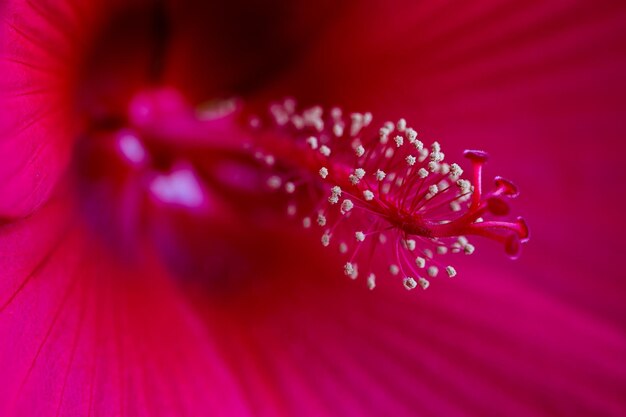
(540, 85)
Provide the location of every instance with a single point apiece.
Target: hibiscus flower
(147, 268)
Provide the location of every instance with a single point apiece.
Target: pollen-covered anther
(335, 193)
(432, 271)
(420, 262)
(455, 171)
(422, 173)
(290, 187)
(399, 140)
(371, 281)
(351, 270)
(394, 269)
(343, 248)
(368, 195)
(410, 160)
(464, 185)
(410, 244)
(312, 142)
(357, 176)
(423, 282)
(326, 239)
(274, 182)
(411, 135)
(409, 283)
(450, 271)
(306, 222)
(323, 172)
(380, 175)
(346, 206)
(359, 151)
(321, 219)
(325, 150)
(359, 236)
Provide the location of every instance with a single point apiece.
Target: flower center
(201, 176)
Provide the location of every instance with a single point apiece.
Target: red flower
(145, 271)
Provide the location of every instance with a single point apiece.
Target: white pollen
(423, 283)
(359, 236)
(419, 145)
(353, 179)
(409, 283)
(423, 155)
(306, 222)
(433, 189)
(433, 166)
(343, 248)
(371, 281)
(444, 169)
(422, 173)
(410, 160)
(325, 150)
(383, 135)
(469, 249)
(432, 271)
(346, 206)
(338, 129)
(333, 199)
(323, 172)
(455, 206)
(410, 244)
(326, 239)
(368, 195)
(367, 119)
(389, 153)
(360, 151)
(428, 253)
(132, 148)
(451, 271)
(389, 125)
(464, 185)
(360, 173)
(420, 262)
(274, 182)
(380, 175)
(321, 219)
(455, 170)
(351, 270)
(399, 140)
(336, 190)
(411, 135)
(436, 156)
(401, 125)
(290, 187)
(442, 250)
(270, 160)
(393, 269)
(357, 123)
(312, 142)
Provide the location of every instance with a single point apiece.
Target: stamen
(406, 195)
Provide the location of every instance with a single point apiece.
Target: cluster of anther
(386, 195)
